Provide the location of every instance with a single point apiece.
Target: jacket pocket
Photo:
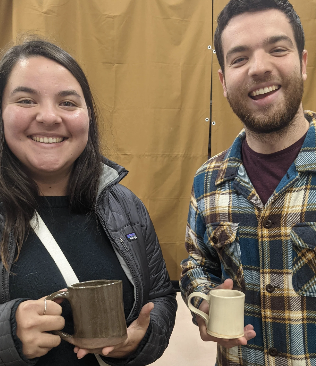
(303, 238)
(222, 236)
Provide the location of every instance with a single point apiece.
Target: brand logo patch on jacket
(131, 236)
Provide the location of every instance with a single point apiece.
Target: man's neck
(280, 140)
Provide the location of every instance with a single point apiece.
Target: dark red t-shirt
(266, 170)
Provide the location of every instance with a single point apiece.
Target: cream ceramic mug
(226, 312)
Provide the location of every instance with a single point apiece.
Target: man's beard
(273, 118)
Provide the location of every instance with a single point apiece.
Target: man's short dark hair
(237, 7)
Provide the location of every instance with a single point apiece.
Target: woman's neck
(53, 187)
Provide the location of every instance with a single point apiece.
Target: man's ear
(222, 80)
(304, 64)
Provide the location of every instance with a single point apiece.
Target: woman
(50, 164)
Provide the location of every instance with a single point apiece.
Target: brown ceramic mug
(98, 313)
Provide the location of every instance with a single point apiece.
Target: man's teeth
(48, 140)
(263, 91)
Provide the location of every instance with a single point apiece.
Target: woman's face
(45, 118)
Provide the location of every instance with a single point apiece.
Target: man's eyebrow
(236, 49)
(66, 93)
(276, 39)
(24, 89)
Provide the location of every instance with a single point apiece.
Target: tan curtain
(149, 66)
(225, 124)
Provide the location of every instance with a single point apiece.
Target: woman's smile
(45, 117)
(47, 140)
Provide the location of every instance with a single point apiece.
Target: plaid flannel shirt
(268, 250)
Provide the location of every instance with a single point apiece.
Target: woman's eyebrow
(63, 93)
(66, 93)
(24, 89)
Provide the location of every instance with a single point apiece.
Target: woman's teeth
(48, 140)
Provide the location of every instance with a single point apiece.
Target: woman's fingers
(135, 333)
(32, 326)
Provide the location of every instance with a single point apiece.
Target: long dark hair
(18, 192)
(237, 7)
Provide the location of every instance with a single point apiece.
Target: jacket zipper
(126, 259)
(5, 296)
(2, 295)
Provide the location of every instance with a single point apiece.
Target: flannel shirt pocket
(303, 238)
(223, 238)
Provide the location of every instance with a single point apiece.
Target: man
(252, 217)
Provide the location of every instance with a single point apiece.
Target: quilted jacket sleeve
(161, 293)
(9, 356)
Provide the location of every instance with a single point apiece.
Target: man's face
(263, 79)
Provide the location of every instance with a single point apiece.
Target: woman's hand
(135, 333)
(33, 325)
(249, 332)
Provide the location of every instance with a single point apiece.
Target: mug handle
(196, 310)
(58, 295)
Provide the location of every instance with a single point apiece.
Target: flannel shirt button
(214, 239)
(273, 352)
(267, 223)
(270, 288)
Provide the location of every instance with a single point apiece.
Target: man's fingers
(249, 327)
(227, 343)
(227, 284)
(249, 332)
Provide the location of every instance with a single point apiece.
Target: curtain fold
(149, 66)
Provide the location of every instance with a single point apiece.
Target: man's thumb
(227, 284)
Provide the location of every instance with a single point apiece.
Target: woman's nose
(48, 115)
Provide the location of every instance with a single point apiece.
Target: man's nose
(260, 64)
(48, 114)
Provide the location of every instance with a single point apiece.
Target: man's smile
(263, 92)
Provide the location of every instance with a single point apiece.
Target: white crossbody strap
(49, 242)
(53, 249)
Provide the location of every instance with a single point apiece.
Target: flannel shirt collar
(232, 160)
(305, 161)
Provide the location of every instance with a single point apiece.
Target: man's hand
(249, 332)
(135, 333)
(33, 325)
